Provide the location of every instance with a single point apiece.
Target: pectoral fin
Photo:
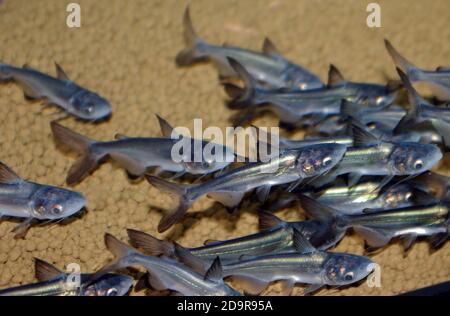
(21, 230)
(312, 288)
(229, 199)
(373, 238)
(286, 287)
(251, 285)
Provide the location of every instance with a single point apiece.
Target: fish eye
(327, 161)
(57, 209)
(348, 276)
(112, 292)
(418, 164)
(371, 125)
(88, 109)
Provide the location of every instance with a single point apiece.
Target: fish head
(90, 106)
(375, 95)
(397, 195)
(413, 158)
(343, 268)
(317, 159)
(49, 202)
(109, 285)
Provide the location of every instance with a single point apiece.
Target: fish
(167, 274)
(31, 201)
(54, 282)
(136, 154)
(293, 107)
(360, 197)
(374, 156)
(275, 235)
(291, 166)
(423, 116)
(60, 91)
(307, 265)
(269, 67)
(379, 228)
(287, 143)
(438, 80)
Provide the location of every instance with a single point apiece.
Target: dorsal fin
(301, 244)
(45, 271)
(361, 136)
(214, 272)
(267, 220)
(317, 210)
(210, 242)
(166, 128)
(7, 175)
(442, 68)
(269, 48)
(120, 136)
(334, 76)
(60, 73)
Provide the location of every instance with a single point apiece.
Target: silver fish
(291, 166)
(293, 107)
(270, 68)
(307, 265)
(438, 80)
(167, 274)
(32, 201)
(378, 228)
(375, 157)
(135, 154)
(275, 235)
(60, 91)
(54, 282)
(359, 197)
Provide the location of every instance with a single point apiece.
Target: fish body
(375, 157)
(366, 195)
(54, 282)
(291, 166)
(293, 106)
(61, 91)
(438, 80)
(275, 236)
(380, 227)
(270, 68)
(136, 155)
(167, 274)
(305, 265)
(33, 201)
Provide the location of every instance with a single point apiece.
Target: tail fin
(320, 211)
(152, 245)
(184, 202)
(90, 158)
(413, 114)
(400, 61)
(191, 53)
(247, 95)
(121, 252)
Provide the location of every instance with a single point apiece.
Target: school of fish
(365, 164)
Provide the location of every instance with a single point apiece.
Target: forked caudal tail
(90, 156)
(184, 203)
(191, 53)
(150, 244)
